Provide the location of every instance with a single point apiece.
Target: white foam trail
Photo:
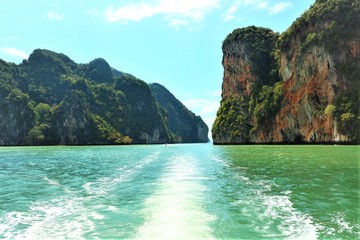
(175, 209)
(294, 225)
(67, 216)
(276, 215)
(105, 185)
(344, 226)
(58, 219)
(52, 181)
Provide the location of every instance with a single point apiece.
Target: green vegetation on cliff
(49, 99)
(304, 83)
(329, 22)
(268, 102)
(142, 112)
(333, 25)
(259, 44)
(232, 118)
(184, 125)
(347, 112)
(234, 123)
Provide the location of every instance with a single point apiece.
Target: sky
(176, 43)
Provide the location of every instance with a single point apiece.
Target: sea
(182, 191)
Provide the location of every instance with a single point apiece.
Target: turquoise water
(197, 191)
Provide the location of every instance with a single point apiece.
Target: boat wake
(175, 210)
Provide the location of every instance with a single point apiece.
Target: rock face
(184, 125)
(73, 123)
(16, 118)
(49, 100)
(247, 61)
(249, 72)
(147, 126)
(315, 98)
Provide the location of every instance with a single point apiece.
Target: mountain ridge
(49, 99)
(179, 118)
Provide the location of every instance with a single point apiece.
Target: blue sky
(173, 42)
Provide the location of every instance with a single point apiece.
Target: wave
(52, 181)
(74, 214)
(175, 210)
(125, 173)
(48, 218)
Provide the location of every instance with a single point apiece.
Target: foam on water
(343, 225)
(175, 210)
(105, 185)
(271, 216)
(178, 192)
(58, 218)
(69, 216)
(52, 181)
(277, 212)
(293, 224)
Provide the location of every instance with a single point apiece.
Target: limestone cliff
(143, 123)
(249, 65)
(247, 60)
(315, 99)
(320, 68)
(16, 118)
(49, 100)
(16, 115)
(73, 124)
(184, 125)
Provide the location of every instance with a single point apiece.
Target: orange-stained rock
(318, 64)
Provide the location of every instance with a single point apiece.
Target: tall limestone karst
(49, 100)
(298, 87)
(248, 66)
(184, 125)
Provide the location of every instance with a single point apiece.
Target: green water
(195, 191)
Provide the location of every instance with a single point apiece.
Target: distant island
(301, 86)
(51, 100)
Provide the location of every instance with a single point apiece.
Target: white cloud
(206, 108)
(209, 122)
(233, 10)
(131, 12)
(4, 41)
(93, 12)
(279, 7)
(15, 52)
(212, 107)
(191, 103)
(55, 16)
(178, 22)
(216, 93)
(202, 106)
(175, 12)
(230, 13)
(262, 5)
